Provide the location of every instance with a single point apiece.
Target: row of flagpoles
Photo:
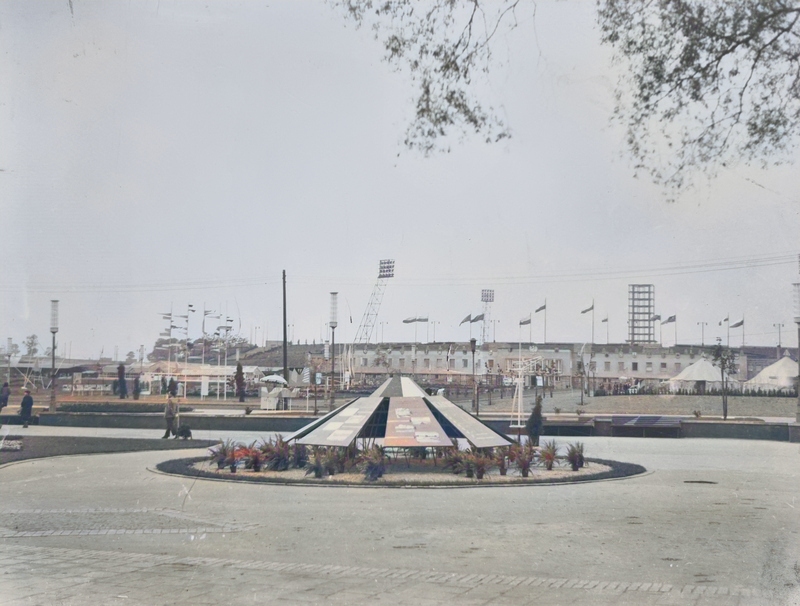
(526, 321)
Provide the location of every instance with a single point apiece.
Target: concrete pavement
(716, 522)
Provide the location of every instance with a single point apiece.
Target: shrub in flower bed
(374, 475)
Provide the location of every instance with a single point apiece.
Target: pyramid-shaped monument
(400, 414)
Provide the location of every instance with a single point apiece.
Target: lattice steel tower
(364, 332)
(641, 309)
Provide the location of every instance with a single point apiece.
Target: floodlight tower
(364, 332)
(487, 297)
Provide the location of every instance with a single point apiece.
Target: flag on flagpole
(588, 309)
(467, 319)
(525, 321)
(604, 320)
(669, 320)
(723, 320)
(738, 324)
(542, 308)
(477, 318)
(409, 320)
(656, 317)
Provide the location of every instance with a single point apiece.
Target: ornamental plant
(278, 457)
(524, 457)
(501, 459)
(255, 458)
(314, 464)
(299, 454)
(549, 453)
(238, 454)
(222, 451)
(454, 461)
(481, 461)
(372, 463)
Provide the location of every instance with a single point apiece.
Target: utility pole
(796, 287)
(702, 326)
(472, 343)
(285, 346)
(779, 326)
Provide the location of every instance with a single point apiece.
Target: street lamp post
(494, 330)
(702, 326)
(434, 330)
(53, 330)
(472, 343)
(333, 324)
(796, 286)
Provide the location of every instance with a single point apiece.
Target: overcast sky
(156, 154)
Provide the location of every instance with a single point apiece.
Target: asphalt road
(715, 522)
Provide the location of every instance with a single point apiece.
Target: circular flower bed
(370, 464)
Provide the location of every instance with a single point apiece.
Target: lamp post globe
(53, 330)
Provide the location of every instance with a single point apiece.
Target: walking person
(171, 411)
(26, 408)
(5, 393)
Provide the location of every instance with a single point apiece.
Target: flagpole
(545, 319)
(530, 329)
(606, 330)
(676, 332)
(592, 322)
(728, 322)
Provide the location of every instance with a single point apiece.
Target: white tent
(782, 375)
(700, 376)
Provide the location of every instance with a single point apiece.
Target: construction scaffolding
(641, 309)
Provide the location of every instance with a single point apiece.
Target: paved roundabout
(715, 522)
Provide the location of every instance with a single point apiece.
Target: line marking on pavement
(431, 577)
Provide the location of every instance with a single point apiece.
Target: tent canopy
(702, 370)
(700, 376)
(780, 375)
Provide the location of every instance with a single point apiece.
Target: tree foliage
(441, 45)
(706, 82)
(239, 381)
(724, 358)
(31, 344)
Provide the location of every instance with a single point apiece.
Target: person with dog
(171, 411)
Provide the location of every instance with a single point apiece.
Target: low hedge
(38, 447)
(114, 407)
